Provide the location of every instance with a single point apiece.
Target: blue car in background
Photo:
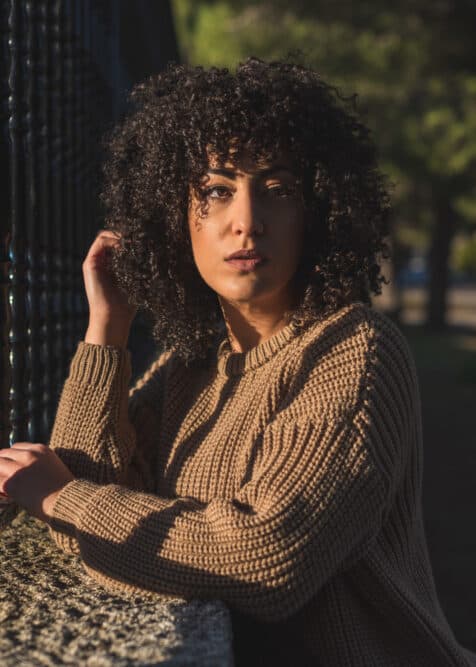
(414, 274)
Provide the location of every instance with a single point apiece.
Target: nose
(247, 213)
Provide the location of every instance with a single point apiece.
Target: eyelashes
(223, 192)
(216, 192)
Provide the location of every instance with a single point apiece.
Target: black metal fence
(66, 66)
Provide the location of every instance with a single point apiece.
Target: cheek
(290, 241)
(202, 248)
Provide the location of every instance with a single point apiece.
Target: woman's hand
(110, 313)
(32, 476)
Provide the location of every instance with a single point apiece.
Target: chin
(244, 296)
(239, 297)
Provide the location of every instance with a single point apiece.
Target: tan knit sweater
(285, 481)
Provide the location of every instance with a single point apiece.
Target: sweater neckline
(236, 363)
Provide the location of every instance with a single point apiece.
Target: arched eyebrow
(232, 174)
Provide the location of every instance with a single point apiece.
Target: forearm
(254, 551)
(107, 332)
(91, 433)
(104, 431)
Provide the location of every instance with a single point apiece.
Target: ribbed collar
(236, 363)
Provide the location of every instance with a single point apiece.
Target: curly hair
(158, 154)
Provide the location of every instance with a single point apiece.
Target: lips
(245, 265)
(245, 259)
(245, 254)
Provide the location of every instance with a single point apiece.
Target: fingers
(12, 459)
(8, 467)
(105, 239)
(6, 459)
(38, 446)
(109, 232)
(18, 455)
(104, 242)
(108, 235)
(23, 452)
(30, 475)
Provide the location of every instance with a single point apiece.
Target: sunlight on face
(256, 208)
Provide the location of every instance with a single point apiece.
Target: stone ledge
(53, 613)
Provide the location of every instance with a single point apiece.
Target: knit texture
(285, 481)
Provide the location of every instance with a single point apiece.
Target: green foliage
(464, 256)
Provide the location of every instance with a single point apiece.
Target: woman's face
(252, 207)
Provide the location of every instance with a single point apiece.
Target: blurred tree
(414, 66)
(464, 256)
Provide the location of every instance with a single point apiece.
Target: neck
(248, 325)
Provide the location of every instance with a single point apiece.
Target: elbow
(273, 602)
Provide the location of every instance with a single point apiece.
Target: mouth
(243, 264)
(245, 260)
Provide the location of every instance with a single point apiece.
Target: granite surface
(53, 613)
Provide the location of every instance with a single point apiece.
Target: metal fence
(66, 67)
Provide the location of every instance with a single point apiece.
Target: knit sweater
(285, 481)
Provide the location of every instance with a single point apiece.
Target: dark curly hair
(159, 153)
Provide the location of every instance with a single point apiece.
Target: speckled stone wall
(53, 613)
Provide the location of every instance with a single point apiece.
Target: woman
(271, 456)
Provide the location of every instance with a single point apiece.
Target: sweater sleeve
(103, 431)
(313, 505)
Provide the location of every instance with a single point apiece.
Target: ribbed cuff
(98, 364)
(70, 505)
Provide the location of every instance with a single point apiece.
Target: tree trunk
(444, 229)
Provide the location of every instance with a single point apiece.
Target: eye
(281, 190)
(217, 192)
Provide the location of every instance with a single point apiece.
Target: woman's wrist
(107, 332)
